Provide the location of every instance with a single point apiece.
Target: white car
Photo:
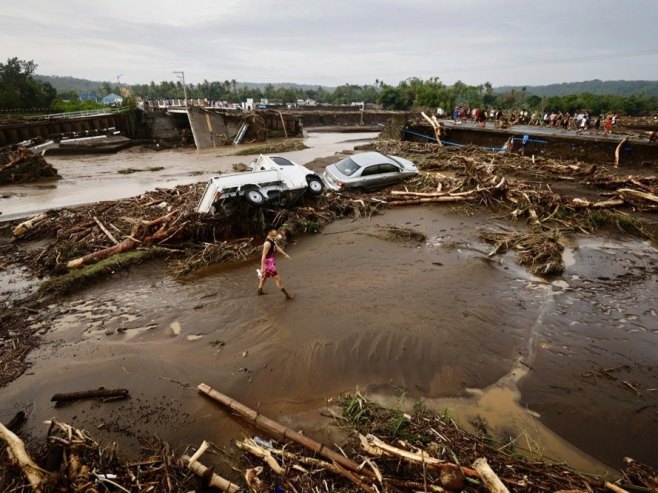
(270, 178)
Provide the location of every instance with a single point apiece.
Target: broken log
(374, 446)
(614, 487)
(280, 431)
(100, 393)
(577, 203)
(436, 126)
(28, 225)
(215, 480)
(36, 476)
(636, 194)
(255, 449)
(489, 477)
(618, 150)
(92, 258)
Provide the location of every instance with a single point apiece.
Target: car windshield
(281, 161)
(347, 166)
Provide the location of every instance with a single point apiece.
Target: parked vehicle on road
(368, 171)
(271, 178)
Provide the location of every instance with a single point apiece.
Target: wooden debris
(436, 126)
(613, 487)
(489, 477)
(635, 194)
(214, 480)
(100, 393)
(28, 225)
(35, 475)
(618, 150)
(276, 429)
(105, 230)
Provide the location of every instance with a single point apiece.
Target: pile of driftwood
(20, 165)
(385, 451)
(529, 189)
(163, 222)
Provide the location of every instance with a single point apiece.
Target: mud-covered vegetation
(382, 450)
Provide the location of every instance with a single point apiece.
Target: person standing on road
(268, 262)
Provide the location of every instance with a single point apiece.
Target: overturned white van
(271, 178)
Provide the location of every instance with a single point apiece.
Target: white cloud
(333, 42)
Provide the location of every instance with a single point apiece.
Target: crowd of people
(579, 121)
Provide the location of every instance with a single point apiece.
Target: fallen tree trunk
(92, 258)
(280, 431)
(91, 394)
(34, 474)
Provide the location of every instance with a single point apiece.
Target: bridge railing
(81, 114)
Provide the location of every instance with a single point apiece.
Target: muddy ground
(551, 364)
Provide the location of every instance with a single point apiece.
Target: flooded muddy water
(436, 320)
(91, 178)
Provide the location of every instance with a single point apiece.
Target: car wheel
(315, 185)
(254, 197)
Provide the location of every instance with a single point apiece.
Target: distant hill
(599, 87)
(287, 85)
(63, 84)
(616, 87)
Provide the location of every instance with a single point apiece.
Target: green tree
(19, 89)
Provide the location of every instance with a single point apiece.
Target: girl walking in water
(268, 262)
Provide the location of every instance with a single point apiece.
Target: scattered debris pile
(384, 450)
(81, 241)
(21, 165)
(541, 252)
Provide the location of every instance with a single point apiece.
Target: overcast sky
(527, 42)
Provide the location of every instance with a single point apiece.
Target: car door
(389, 174)
(370, 177)
(295, 177)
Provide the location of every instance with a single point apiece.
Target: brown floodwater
(401, 321)
(91, 178)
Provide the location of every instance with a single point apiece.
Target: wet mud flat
(436, 319)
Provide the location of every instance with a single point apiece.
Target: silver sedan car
(368, 170)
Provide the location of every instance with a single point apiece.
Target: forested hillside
(599, 87)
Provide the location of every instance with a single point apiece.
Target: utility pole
(181, 75)
(119, 79)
